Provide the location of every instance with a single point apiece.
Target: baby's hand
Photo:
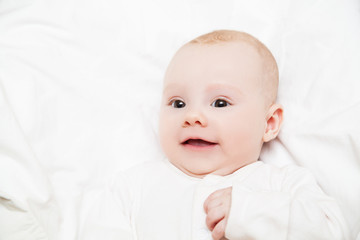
(217, 208)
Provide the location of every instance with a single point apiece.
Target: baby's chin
(200, 170)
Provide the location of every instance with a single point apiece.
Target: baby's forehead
(236, 53)
(216, 65)
(223, 58)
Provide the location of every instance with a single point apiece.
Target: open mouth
(198, 143)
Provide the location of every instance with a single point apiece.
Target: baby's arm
(300, 210)
(105, 213)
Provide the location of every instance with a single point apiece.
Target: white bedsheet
(80, 83)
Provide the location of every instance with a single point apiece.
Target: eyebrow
(171, 86)
(216, 86)
(211, 87)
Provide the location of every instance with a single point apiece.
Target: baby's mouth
(198, 143)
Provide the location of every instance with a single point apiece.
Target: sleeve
(106, 213)
(299, 210)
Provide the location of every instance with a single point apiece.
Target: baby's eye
(177, 104)
(220, 103)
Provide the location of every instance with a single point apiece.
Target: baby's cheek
(164, 135)
(243, 142)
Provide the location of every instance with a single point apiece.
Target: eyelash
(213, 104)
(173, 101)
(177, 103)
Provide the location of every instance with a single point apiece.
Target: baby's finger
(213, 203)
(218, 232)
(213, 196)
(217, 194)
(214, 216)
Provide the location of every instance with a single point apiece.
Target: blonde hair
(271, 72)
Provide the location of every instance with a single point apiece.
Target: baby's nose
(195, 118)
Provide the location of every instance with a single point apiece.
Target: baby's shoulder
(286, 171)
(285, 178)
(137, 174)
(144, 169)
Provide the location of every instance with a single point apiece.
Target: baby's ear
(274, 120)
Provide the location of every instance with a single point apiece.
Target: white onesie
(156, 201)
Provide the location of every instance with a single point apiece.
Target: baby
(218, 109)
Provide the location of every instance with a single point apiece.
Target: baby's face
(213, 115)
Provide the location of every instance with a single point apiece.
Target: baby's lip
(199, 142)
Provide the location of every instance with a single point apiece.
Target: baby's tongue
(198, 142)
